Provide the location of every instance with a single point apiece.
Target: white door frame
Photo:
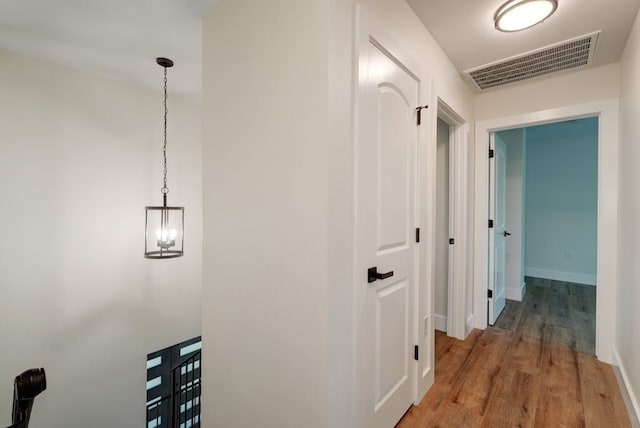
(458, 209)
(369, 29)
(607, 112)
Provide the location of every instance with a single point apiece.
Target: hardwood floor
(534, 368)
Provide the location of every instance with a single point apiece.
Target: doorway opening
(550, 229)
(452, 290)
(606, 112)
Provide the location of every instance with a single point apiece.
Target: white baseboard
(557, 275)
(516, 294)
(630, 399)
(440, 322)
(512, 294)
(469, 326)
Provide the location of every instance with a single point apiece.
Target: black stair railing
(158, 412)
(26, 387)
(185, 394)
(181, 407)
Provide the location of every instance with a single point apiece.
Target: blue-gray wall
(561, 201)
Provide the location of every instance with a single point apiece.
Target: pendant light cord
(165, 189)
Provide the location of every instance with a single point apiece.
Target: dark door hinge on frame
(490, 294)
(491, 153)
(417, 234)
(419, 113)
(490, 224)
(416, 352)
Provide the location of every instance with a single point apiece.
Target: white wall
(562, 201)
(278, 154)
(265, 214)
(514, 139)
(80, 157)
(565, 89)
(628, 316)
(442, 228)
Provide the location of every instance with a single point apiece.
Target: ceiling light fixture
(516, 15)
(164, 225)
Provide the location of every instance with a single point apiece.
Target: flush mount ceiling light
(516, 15)
(164, 225)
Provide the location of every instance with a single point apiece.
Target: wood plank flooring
(534, 368)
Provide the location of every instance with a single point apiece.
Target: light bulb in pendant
(166, 238)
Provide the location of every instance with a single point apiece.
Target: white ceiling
(115, 38)
(121, 38)
(465, 30)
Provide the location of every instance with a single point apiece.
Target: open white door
(498, 228)
(386, 220)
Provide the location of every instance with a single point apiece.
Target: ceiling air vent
(566, 55)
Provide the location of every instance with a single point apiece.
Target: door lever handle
(506, 233)
(374, 275)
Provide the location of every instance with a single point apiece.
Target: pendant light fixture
(164, 225)
(516, 15)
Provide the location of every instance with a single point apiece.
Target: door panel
(386, 183)
(497, 196)
(392, 317)
(393, 175)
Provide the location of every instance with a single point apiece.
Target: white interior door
(386, 221)
(497, 234)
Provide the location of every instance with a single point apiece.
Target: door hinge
(416, 352)
(491, 153)
(419, 113)
(490, 224)
(490, 294)
(451, 241)
(417, 234)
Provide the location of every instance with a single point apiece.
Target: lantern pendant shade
(164, 230)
